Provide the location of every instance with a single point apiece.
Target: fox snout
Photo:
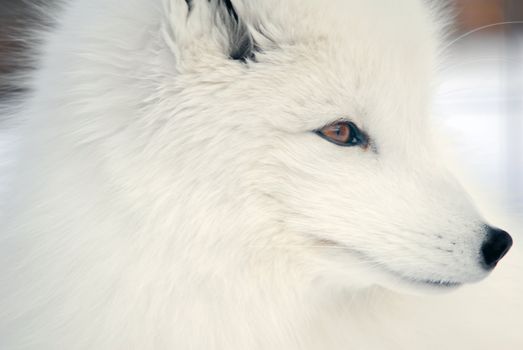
(496, 245)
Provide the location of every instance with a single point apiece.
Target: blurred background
(479, 100)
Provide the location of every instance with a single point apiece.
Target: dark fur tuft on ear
(189, 4)
(241, 42)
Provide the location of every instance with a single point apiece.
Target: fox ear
(200, 27)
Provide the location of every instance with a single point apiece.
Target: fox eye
(343, 133)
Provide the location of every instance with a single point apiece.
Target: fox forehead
(341, 58)
(329, 60)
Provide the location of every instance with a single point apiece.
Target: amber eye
(343, 133)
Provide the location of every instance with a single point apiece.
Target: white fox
(233, 174)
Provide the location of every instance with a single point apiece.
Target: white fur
(169, 197)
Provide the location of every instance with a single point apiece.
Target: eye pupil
(343, 133)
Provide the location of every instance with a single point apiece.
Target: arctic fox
(244, 174)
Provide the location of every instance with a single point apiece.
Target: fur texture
(172, 194)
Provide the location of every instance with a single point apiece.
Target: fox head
(305, 126)
(296, 130)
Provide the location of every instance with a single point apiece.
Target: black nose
(495, 247)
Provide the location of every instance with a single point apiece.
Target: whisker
(477, 30)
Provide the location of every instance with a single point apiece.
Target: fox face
(329, 126)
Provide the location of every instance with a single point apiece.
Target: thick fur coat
(172, 192)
